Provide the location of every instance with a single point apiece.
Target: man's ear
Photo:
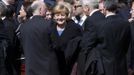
(88, 10)
(40, 10)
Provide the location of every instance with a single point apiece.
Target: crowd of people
(67, 37)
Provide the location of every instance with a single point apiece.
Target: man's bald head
(38, 7)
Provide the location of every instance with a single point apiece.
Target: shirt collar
(60, 29)
(83, 17)
(82, 20)
(110, 14)
(74, 19)
(93, 12)
(3, 18)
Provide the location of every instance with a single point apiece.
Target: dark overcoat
(111, 41)
(40, 58)
(60, 43)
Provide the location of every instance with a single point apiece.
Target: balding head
(39, 8)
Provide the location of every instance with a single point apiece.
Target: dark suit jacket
(40, 58)
(13, 54)
(94, 65)
(3, 32)
(131, 62)
(3, 45)
(88, 29)
(113, 37)
(10, 28)
(60, 43)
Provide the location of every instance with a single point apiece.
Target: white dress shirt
(60, 30)
(82, 20)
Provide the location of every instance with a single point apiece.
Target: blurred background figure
(48, 15)
(78, 15)
(22, 15)
(101, 6)
(123, 9)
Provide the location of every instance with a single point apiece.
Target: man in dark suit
(94, 16)
(40, 58)
(3, 40)
(111, 42)
(13, 54)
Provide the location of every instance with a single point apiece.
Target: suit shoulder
(72, 24)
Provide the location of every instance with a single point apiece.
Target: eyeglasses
(76, 6)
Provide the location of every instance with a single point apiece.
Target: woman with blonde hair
(62, 27)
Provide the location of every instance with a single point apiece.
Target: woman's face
(60, 18)
(22, 12)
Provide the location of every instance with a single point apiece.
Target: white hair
(90, 3)
(36, 5)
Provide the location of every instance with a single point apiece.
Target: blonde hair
(69, 7)
(59, 8)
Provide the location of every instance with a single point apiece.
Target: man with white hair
(40, 58)
(94, 12)
(89, 31)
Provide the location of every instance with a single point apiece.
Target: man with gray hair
(40, 58)
(89, 36)
(94, 13)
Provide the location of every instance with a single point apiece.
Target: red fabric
(74, 70)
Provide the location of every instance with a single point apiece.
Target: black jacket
(112, 41)
(60, 43)
(88, 39)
